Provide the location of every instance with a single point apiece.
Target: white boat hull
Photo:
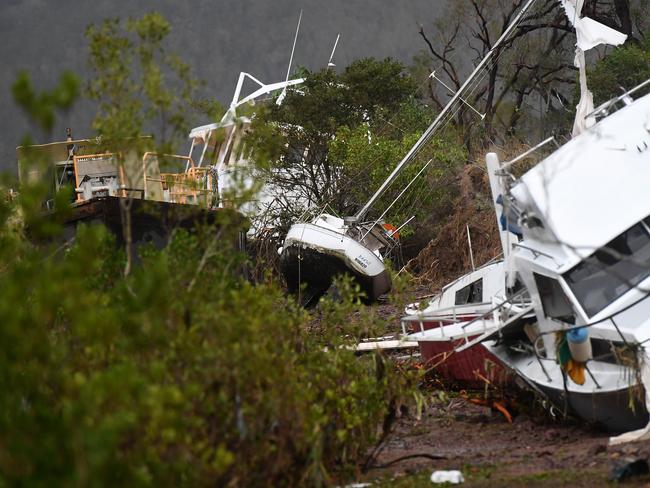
(615, 402)
(312, 255)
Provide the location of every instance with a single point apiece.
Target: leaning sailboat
(315, 251)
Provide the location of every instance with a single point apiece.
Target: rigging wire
(469, 90)
(473, 86)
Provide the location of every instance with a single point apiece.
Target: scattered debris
(391, 342)
(629, 468)
(454, 477)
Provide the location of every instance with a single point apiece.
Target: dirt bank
(533, 450)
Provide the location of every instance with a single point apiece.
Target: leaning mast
(441, 116)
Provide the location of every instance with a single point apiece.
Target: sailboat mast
(443, 113)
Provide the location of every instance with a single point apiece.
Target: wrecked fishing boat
(582, 251)
(160, 192)
(585, 260)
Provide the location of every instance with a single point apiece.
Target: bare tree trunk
(623, 12)
(125, 213)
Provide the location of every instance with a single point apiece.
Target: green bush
(624, 68)
(177, 371)
(182, 373)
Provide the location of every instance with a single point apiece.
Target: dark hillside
(217, 38)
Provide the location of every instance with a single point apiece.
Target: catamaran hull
(312, 256)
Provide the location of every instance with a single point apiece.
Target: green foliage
(365, 90)
(368, 159)
(376, 86)
(295, 136)
(625, 67)
(147, 380)
(337, 137)
(179, 372)
(42, 107)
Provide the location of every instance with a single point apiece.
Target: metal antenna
(469, 242)
(329, 63)
(293, 49)
(433, 75)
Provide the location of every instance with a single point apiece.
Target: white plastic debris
(453, 476)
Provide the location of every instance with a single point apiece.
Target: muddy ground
(537, 448)
(534, 450)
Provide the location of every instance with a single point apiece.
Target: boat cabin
(585, 216)
(90, 169)
(470, 294)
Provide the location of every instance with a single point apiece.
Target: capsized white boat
(585, 260)
(315, 252)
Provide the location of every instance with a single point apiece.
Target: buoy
(391, 230)
(579, 344)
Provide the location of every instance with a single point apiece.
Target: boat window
(472, 293)
(555, 303)
(612, 270)
(518, 287)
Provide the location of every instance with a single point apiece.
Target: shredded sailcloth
(589, 34)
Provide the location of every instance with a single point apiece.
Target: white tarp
(589, 34)
(586, 104)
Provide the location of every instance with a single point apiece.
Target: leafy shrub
(624, 68)
(177, 371)
(181, 373)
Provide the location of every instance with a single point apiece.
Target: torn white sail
(589, 34)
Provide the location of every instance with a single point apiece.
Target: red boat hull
(469, 368)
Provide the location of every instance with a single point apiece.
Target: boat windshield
(612, 270)
(555, 303)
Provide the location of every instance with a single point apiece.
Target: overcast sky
(217, 38)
